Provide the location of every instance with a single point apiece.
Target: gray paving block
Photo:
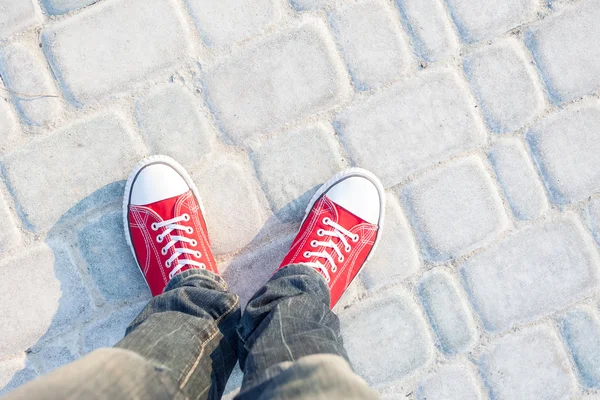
(529, 364)
(565, 147)
(411, 125)
(450, 382)
(581, 330)
(455, 209)
(17, 15)
(109, 259)
(532, 273)
(108, 331)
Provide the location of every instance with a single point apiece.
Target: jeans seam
(203, 345)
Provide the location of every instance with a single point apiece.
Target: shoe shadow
(94, 276)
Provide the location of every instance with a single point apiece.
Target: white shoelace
(171, 225)
(341, 233)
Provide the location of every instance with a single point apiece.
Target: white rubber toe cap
(156, 182)
(358, 195)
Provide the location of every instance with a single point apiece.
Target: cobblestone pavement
(482, 119)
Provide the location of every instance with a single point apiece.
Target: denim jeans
(185, 343)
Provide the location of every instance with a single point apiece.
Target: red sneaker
(340, 229)
(164, 222)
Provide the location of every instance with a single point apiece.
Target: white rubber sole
(340, 177)
(144, 163)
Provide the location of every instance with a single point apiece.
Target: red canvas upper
(148, 251)
(343, 273)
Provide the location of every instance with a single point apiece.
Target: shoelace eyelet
(164, 251)
(154, 226)
(334, 269)
(198, 254)
(340, 259)
(348, 249)
(306, 254)
(190, 230)
(194, 243)
(314, 243)
(186, 217)
(168, 264)
(326, 220)
(355, 238)
(159, 239)
(320, 232)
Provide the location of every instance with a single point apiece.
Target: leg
(182, 346)
(288, 331)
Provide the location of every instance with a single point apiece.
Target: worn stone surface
(49, 176)
(450, 382)
(16, 15)
(109, 259)
(505, 85)
(142, 37)
(224, 22)
(476, 21)
(455, 209)
(558, 41)
(287, 169)
(170, 120)
(529, 364)
(429, 27)
(565, 147)
(8, 125)
(292, 75)
(371, 40)
(24, 71)
(594, 216)
(236, 208)
(518, 179)
(59, 7)
(9, 235)
(397, 256)
(581, 330)
(402, 340)
(394, 119)
(448, 313)
(532, 273)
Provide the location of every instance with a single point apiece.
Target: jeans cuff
(181, 277)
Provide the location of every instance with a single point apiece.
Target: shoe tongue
(165, 208)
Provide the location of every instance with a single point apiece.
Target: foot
(164, 225)
(341, 227)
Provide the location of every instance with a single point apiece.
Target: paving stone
(414, 124)
(286, 166)
(236, 208)
(171, 121)
(24, 71)
(371, 41)
(533, 273)
(519, 181)
(59, 7)
(51, 357)
(9, 234)
(448, 313)
(16, 15)
(450, 382)
(108, 331)
(291, 75)
(581, 330)
(303, 5)
(8, 125)
(429, 27)
(248, 272)
(396, 257)
(109, 259)
(505, 85)
(565, 147)
(15, 372)
(387, 327)
(594, 216)
(478, 20)
(224, 22)
(558, 41)
(51, 175)
(455, 209)
(144, 37)
(529, 364)
(25, 318)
